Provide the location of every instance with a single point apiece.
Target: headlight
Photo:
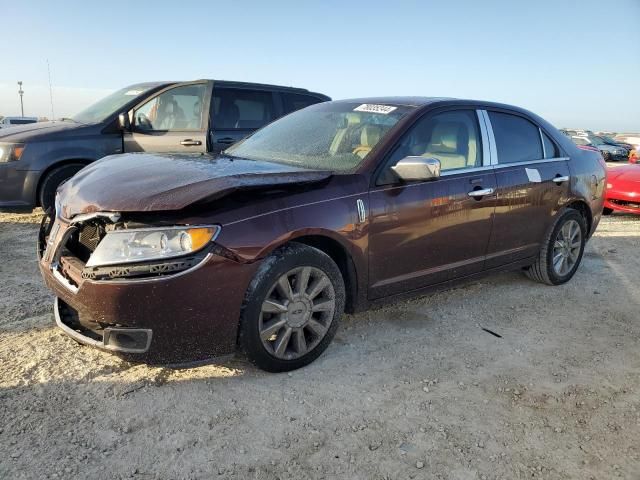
(143, 244)
(10, 152)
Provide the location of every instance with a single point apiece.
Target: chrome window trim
(447, 173)
(544, 150)
(492, 139)
(486, 149)
(531, 162)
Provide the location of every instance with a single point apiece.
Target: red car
(623, 189)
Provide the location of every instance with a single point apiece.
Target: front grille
(84, 240)
(89, 236)
(625, 203)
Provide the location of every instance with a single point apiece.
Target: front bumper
(184, 317)
(17, 187)
(622, 200)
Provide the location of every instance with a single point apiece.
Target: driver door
(174, 120)
(426, 232)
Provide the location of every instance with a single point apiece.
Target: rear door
(238, 112)
(424, 233)
(174, 120)
(532, 178)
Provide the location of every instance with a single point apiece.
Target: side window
(550, 148)
(241, 109)
(451, 137)
(296, 101)
(517, 139)
(177, 109)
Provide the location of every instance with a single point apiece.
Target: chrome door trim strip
(532, 162)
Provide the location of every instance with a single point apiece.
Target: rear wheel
(52, 181)
(292, 308)
(561, 251)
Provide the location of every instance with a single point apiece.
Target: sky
(576, 63)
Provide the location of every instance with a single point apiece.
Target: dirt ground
(414, 390)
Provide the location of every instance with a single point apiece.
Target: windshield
(100, 110)
(580, 141)
(597, 141)
(335, 136)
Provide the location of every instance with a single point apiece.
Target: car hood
(36, 131)
(625, 173)
(142, 182)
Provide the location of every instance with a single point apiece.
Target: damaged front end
(120, 298)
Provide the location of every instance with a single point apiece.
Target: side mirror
(417, 168)
(123, 121)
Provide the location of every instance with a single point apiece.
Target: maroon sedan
(178, 258)
(623, 189)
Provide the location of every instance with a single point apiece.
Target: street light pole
(20, 92)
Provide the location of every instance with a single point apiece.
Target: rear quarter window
(297, 101)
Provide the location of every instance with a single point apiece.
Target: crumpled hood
(143, 182)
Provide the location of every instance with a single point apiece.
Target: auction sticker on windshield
(371, 108)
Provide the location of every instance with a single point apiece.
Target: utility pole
(20, 92)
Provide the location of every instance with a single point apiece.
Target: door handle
(559, 179)
(481, 192)
(190, 143)
(226, 140)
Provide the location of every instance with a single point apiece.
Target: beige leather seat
(338, 145)
(369, 137)
(447, 142)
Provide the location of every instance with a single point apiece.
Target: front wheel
(291, 308)
(561, 251)
(52, 181)
(607, 211)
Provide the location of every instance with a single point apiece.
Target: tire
(544, 270)
(51, 182)
(607, 211)
(606, 156)
(267, 309)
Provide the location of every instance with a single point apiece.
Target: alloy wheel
(297, 312)
(566, 248)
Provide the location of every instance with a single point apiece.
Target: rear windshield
(104, 108)
(335, 136)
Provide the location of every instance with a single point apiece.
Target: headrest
(446, 135)
(370, 135)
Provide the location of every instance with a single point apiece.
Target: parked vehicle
(610, 153)
(632, 139)
(175, 258)
(7, 122)
(611, 141)
(623, 189)
(201, 116)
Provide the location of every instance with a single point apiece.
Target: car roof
(237, 84)
(414, 101)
